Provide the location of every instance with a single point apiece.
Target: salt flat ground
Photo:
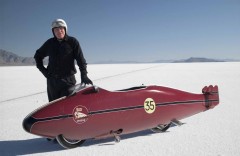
(214, 132)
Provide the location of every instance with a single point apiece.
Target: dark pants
(59, 87)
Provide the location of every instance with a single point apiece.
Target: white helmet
(59, 23)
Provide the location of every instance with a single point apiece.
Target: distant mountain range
(11, 59)
(198, 59)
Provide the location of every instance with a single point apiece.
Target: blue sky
(124, 30)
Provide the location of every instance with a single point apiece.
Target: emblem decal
(80, 114)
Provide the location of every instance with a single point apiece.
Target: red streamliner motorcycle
(91, 112)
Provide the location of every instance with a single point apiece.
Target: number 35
(149, 105)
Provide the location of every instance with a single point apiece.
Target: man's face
(59, 32)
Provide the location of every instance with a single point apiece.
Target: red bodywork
(92, 113)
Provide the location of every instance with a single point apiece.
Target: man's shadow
(41, 145)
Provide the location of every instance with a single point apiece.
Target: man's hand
(45, 73)
(85, 79)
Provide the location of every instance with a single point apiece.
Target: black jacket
(61, 57)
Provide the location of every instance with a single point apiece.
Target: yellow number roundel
(149, 105)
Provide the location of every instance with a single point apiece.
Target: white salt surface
(214, 132)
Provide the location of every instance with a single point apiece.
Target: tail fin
(211, 96)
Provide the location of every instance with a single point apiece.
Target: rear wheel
(67, 143)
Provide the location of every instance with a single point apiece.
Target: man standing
(62, 51)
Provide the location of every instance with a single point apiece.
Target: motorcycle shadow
(27, 147)
(41, 145)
